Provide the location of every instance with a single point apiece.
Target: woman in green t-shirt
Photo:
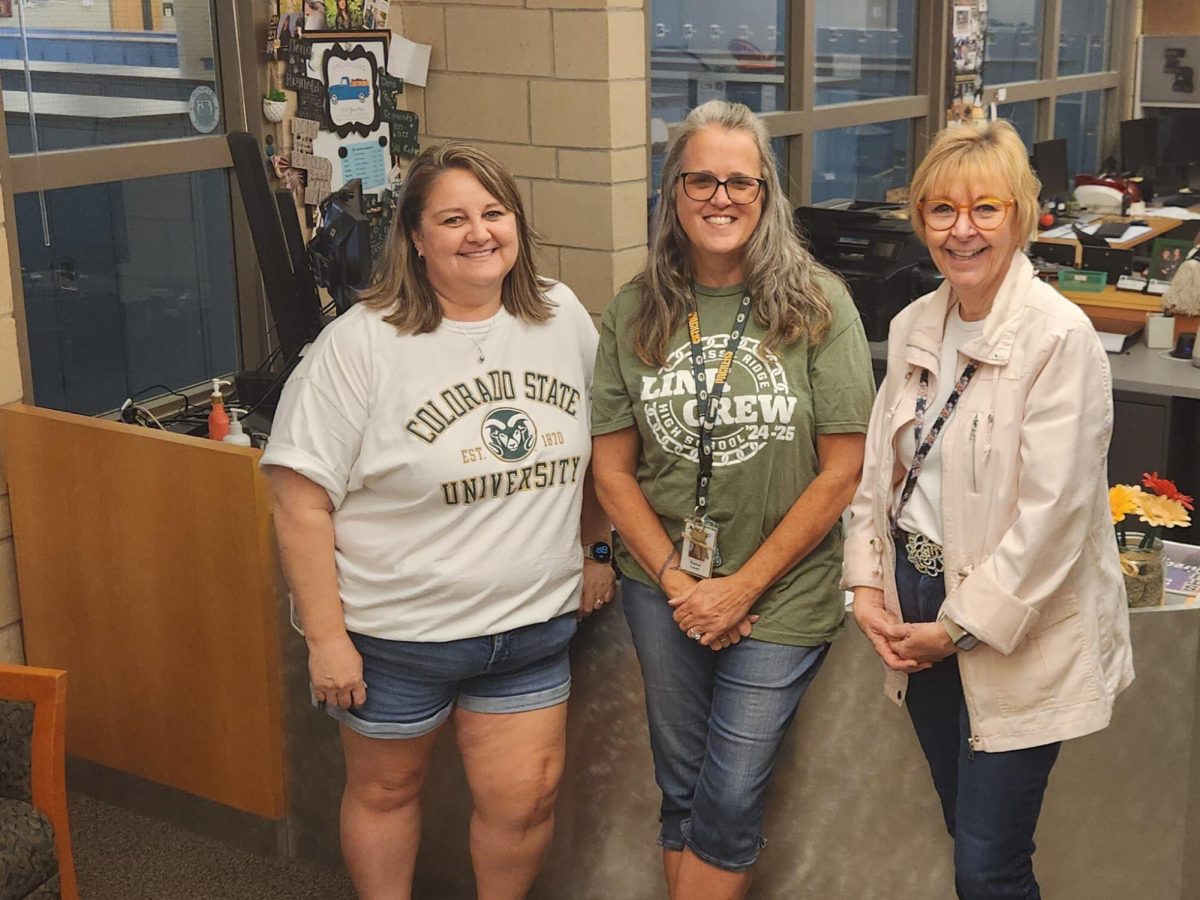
(732, 391)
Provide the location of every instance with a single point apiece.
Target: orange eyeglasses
(986, 213)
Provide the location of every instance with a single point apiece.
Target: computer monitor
(1177, 139)
(1050, 163)
(291, 293)
(1139, 145)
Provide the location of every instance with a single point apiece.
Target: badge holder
(699, 552)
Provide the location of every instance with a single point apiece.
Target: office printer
(875, 250)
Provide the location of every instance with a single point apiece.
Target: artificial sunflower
(1123, 500)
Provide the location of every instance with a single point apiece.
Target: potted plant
(1159, 504)
(274, 105)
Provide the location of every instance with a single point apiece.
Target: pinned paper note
(365, 160)
(408, 60)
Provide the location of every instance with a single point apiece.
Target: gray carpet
(120, 855)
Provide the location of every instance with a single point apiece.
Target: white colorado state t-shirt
(456, 484)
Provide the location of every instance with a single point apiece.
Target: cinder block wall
(11, 649)
(556, 90)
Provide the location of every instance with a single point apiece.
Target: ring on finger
(694, 634)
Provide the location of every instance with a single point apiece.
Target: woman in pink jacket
(981, 551)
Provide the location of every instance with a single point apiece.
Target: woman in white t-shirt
(437, 525)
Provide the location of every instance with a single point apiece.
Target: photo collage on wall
(346, 121)
(968, 35)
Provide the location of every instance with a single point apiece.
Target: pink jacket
(1030, 555)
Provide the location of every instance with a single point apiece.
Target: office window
(1023, 115)
(1077, 118)
(1014, 37)
(864, 50)
(130, 274)
(105, 73)
(700, 52)
(1083, 44)
(861, 163)
(135, 289)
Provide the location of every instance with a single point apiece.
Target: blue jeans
(990, 801)
(717, 721)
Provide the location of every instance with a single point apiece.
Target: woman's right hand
(676, 583)
(335, 671)
(882, 628)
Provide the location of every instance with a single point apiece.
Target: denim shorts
(412, 686)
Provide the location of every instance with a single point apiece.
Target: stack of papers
(1175, 212)
(1132, 283)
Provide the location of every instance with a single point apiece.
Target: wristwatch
(959, 636)
(599, 552)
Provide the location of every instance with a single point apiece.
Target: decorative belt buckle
(924, 554)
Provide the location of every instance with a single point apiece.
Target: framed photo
(1165, 257)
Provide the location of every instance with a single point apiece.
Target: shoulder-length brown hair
(780, 274)
(399, 282)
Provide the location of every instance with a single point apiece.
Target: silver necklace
(454, 326)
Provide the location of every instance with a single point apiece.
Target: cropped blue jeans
(990, 801)
(717, 720)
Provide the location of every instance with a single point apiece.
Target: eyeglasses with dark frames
(740, 189)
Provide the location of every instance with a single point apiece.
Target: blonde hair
(966, 154)
(399, 281)
(780, 274)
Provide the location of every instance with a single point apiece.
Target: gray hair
(787, 284)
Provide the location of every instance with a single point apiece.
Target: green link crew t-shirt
(764, 441)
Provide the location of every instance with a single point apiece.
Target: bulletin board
(353, 134)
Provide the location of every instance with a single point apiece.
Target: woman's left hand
(599, 580)
(927, 642)
(713, 607)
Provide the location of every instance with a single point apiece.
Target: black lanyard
(706, 403)
(923, 447)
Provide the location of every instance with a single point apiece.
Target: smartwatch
(599, 552)
(961, 638)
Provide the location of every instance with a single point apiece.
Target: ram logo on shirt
(509, 433)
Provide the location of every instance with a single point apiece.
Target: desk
(1159, 225)
(146, 570)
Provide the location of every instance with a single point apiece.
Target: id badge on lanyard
(700, 554)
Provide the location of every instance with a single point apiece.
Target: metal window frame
(1116, 82)
(924, 108)
(235, 25)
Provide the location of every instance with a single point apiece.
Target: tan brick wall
(556, 90)
(10, 390)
